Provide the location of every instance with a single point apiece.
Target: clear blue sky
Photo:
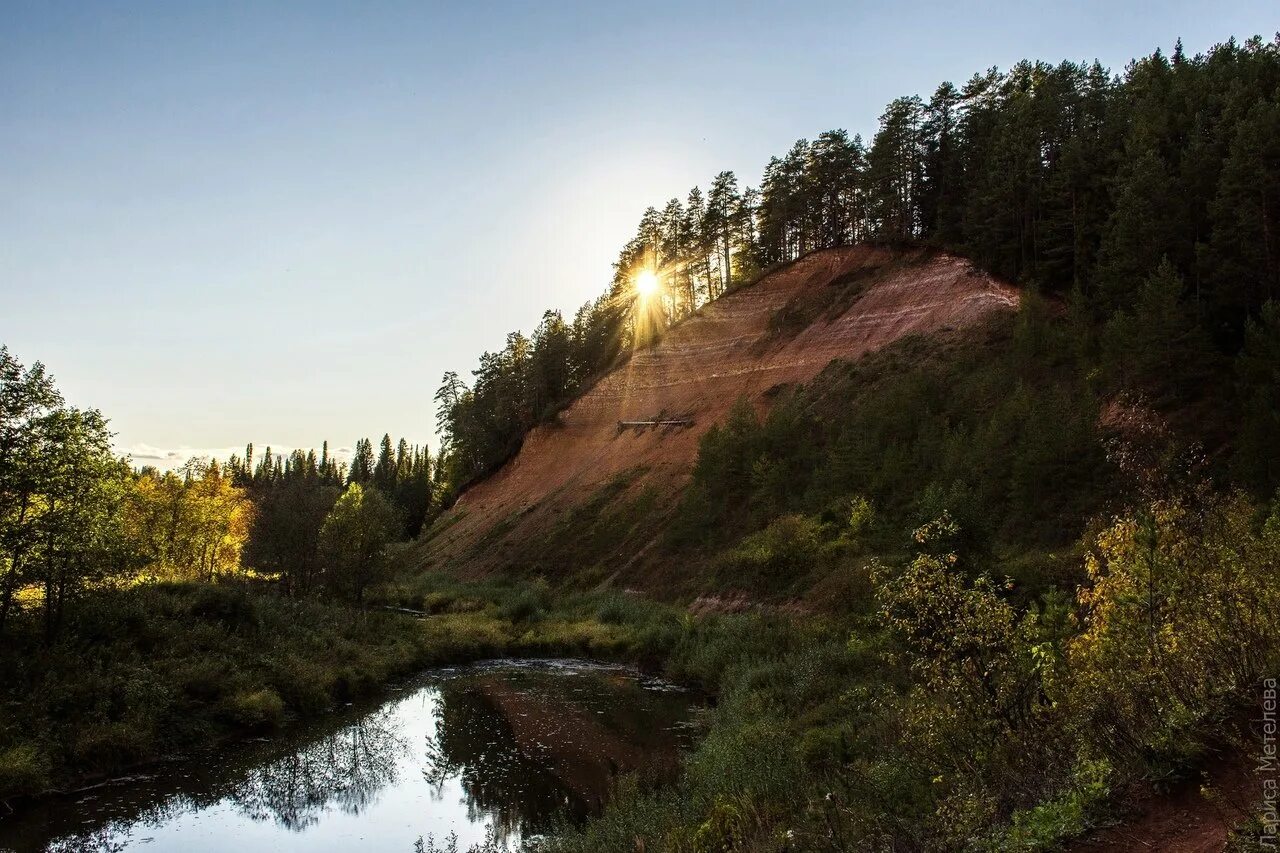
(282, 222)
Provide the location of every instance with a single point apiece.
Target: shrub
(862, 514)
(204, 680)
(776, 557)
(526, 607)
(614, 610)
(1178, 624)
(259, 709)
(23, 768)
(1065, 816)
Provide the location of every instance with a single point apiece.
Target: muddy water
(509, 747)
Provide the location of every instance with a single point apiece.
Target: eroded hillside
(781, 330)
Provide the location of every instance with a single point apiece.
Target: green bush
(1178, 623)
(775, 558)
(205, 679)
(1046, 825)
(527, 607)
(259, 709)
(23, 768)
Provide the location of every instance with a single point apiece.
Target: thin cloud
(169, 458)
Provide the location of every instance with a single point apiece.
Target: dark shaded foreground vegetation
(147, 671)
(949, 710)
(996, 580)
(144, 672)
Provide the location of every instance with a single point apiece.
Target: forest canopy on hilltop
(1066, 177)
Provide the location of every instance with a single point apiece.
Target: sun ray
(647, 284)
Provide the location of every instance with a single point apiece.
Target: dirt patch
(1195, 817)
(869, 296)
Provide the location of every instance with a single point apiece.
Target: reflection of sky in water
(500, 745)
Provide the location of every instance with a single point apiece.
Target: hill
(780, 331)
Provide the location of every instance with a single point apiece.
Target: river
(507, 747)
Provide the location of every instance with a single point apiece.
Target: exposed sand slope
(698, 371)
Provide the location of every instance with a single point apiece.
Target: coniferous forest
(1148, 201)
(999, 588)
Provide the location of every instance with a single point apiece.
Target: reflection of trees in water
(346, 768)
(530, 747)
(105, 840)
(291, 783)
(151, 805)
(474, 742)
(526, 746)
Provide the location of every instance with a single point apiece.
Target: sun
(646, 284)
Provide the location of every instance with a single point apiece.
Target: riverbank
(150, 671)
(818, 733)
(516, 746)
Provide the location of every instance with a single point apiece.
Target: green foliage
(521, 386)
(1067, 815)
(354, 539)
(773, 559)
(257, 709)
(962, 717)
(774, 680)
(1000, 431)
(862, 516)
(61, 492)
(285, 537)
(154, 668)
(528, 606)
(292, 496)
(1257, 458)
(1178, 623)
(1253, 835)
(967, 647)
(1159, 346)
(190, 524)
(23, 768)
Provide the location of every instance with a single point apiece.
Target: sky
(283, 222)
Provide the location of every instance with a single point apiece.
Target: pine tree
(940, 172)
(361, 463)
(722, 222)
(1244, 253)
(1159, 346)
(1257, 457)
(893, 170)
(384, 470)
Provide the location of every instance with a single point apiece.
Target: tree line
(296, 496)
(75, 517)
(1066, 177)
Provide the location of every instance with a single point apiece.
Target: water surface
(511, 746)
